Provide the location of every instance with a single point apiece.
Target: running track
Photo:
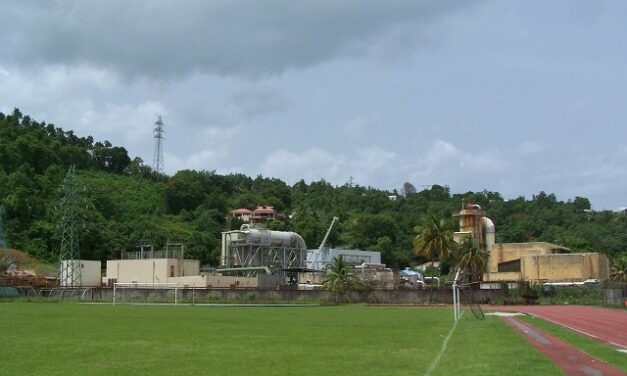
(603, 324)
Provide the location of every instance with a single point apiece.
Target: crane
(317, 254)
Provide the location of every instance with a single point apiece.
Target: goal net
(125, 292)
(467, 295)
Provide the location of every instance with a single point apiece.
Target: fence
(426, 297)
(615, 297)
(206, 295)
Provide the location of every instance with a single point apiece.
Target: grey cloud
(236, 37)
(257, 102)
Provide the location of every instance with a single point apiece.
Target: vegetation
(473, 258)
(133, 205)
(339, 280)
(55, 339)
(434, 239)
(618, 272)
(476, 346)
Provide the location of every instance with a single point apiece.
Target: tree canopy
(133, 205)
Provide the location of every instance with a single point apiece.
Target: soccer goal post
(120, 288)
(468, 294)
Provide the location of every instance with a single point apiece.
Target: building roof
(263, 209)
(241, 211)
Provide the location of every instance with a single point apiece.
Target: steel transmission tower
(71, 220)
(157, 159)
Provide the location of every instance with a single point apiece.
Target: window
(509, 266)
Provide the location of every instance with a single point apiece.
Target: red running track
(603, 324)
(570, 359)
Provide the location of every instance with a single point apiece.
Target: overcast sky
(510, 96)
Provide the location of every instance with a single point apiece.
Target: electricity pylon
(71, 221)
(157, 159)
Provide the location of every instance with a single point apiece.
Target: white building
(87, 273)
(319, 259)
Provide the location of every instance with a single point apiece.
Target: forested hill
(132, 205)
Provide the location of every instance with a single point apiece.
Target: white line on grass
(437, 358)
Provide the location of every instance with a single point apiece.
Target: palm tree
(473, 258)
(434, 239)
(339, 280)
(619, 269)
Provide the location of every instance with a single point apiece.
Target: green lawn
(592, 347)
(68, 338)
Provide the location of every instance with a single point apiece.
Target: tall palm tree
(473, 258)
(434, 239)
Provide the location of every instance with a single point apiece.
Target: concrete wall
(503, 252)
(564, 267)
(200, 296)
(500, 277)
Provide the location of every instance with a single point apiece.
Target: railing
(144, 255)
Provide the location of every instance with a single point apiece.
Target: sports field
(69, 338)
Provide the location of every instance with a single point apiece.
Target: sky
(516, 97)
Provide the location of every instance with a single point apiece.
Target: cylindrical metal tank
(273, 238)
(489, 232)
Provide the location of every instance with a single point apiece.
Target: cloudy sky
(510, 96)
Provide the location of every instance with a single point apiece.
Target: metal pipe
(245, 269)
(432, 278)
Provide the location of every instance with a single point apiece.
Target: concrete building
(168, 267)
(263, 213)
(90, 273)
(242, 214)
(535, 262)
(151, 270)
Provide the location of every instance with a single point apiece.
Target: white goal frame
(146, 285)
(457, 310)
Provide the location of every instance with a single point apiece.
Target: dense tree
(134, 205)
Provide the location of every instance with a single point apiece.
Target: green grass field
(69, 338)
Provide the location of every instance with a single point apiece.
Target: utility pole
(157, 159)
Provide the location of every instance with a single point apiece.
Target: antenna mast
(157, 159)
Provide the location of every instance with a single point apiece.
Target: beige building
(167, 267)
(157, 270)
(535, 262)
(543, 262)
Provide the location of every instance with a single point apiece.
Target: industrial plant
(534, 262)
(251, 257)
(254, 257)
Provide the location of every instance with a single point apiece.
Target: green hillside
(133, 205)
